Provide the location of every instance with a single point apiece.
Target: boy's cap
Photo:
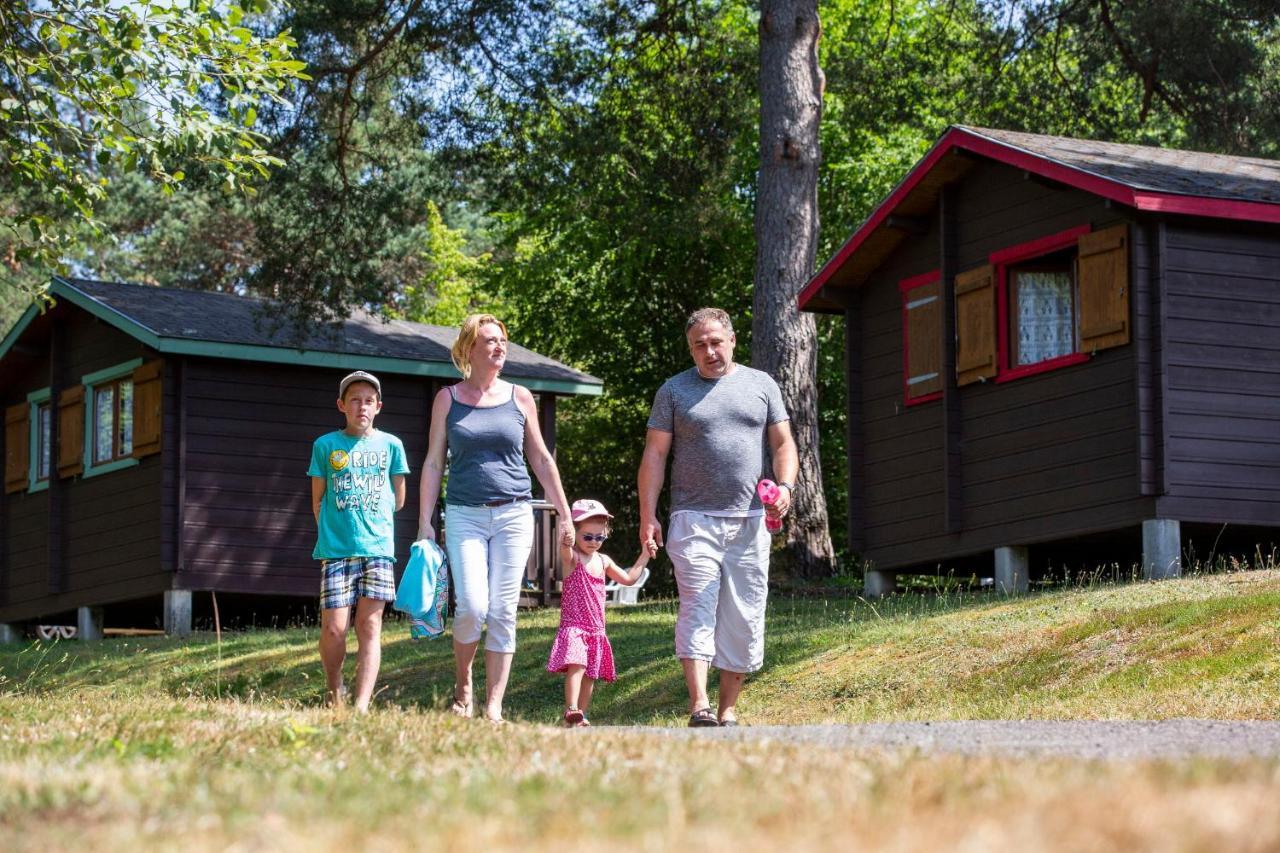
(359, 376)
(587, 508)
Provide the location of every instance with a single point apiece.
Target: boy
(356, 473)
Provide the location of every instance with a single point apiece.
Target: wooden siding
(1222, 289)
(110, 541)
(246, 520)
(1043, 457)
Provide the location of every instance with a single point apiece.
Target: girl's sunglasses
(593, 537)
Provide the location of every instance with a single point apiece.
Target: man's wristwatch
(788, 486)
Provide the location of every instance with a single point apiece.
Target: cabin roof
(1141, 177)
(222, 325)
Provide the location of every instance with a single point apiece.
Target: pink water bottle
(769, 494)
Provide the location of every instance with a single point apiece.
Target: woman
(488, 426)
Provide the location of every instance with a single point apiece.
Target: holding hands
(567, 534)
(650, 536)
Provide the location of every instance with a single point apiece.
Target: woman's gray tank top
(486, 453)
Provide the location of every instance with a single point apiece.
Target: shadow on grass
(284, 665)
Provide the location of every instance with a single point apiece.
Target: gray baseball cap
(359, 376)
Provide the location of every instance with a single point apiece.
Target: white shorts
(722, 573)
(488, 550)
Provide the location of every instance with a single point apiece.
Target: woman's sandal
(573, 718)
(703, 718)
(459, 708)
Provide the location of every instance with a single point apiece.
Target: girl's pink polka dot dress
(581, 639)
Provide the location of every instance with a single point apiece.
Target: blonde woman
(488, 427)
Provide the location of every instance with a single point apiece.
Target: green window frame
(40, 459)
(108, 441)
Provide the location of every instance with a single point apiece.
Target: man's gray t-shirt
(719, 444)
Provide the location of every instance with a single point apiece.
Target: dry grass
(217, 775)
(147, 743)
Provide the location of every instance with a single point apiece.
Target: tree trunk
(784, 341)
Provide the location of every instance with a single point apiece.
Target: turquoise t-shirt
(357, 513)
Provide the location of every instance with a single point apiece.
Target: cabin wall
(246, 518)
(1222, 319)
(110, 537)
(1041, 457)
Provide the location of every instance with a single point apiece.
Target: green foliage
(451, 281)
(1207, 67)
(588, 170)
(624, 200)
(91, 90)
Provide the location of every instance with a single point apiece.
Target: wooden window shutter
(17, 437)
(1104, 289)
(975, 325)
(146, 408)
(924, 340)
(71, 431)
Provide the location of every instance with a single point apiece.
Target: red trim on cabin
(1002, 320)
(1216, 208)
(967, 140)
(1039, 246)
(1045, 168)
(878, 215)
(1012, 373)
(927, 398)
(904, 287)
(919, 280)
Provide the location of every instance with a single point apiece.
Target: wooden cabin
(1050, 340)
(156, 444)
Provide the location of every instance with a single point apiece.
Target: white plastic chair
(619, 594)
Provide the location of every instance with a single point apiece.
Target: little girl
(581, 650)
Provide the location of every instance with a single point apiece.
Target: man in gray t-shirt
(720, 423)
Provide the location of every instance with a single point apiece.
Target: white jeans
(488, 549)
(722, 573)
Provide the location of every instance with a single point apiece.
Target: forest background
(586, 169)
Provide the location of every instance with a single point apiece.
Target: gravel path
(1073, 738)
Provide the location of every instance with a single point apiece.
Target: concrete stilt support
(9, 633)
(876, 583)
(177, 612)
(1013, 569)
(89, 623)
(1161, 549)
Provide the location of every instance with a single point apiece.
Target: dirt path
(1092, 739)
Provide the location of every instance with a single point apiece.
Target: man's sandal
(729, 723)
(703, 718)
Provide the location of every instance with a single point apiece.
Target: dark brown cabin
(1052, 341)
(156, 444)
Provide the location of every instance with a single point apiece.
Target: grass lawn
(159, 743)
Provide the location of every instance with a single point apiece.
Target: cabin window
(44, 455)
(108, 421)
(921, 338)
(1042, 309)
(1042, 305)
(112, 421)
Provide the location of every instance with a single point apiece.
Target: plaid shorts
(351, 578)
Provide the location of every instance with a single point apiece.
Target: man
(719, 421)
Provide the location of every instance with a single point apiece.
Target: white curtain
(1046, 325)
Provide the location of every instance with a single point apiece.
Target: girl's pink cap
(587, 508)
